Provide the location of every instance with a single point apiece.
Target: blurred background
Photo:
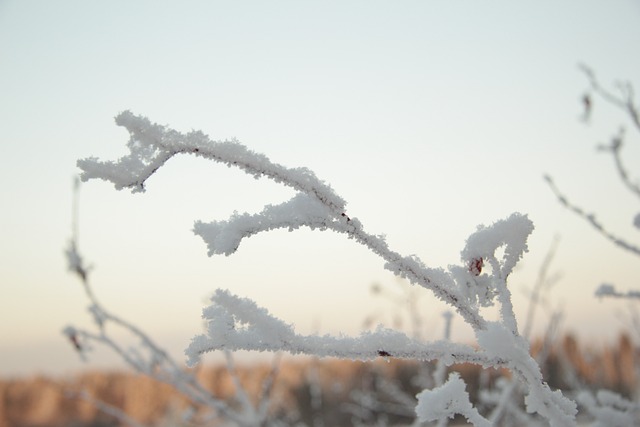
(429, 118)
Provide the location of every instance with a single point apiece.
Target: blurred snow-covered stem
(236, 323)
(606, 407)
(622, 97)
(149, 358)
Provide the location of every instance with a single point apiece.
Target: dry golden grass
(40, 401)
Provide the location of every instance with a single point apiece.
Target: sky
(429, 118)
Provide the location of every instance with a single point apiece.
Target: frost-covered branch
(615, 148)
(152, 360)
(152, 145)
(156, 363)
(625, 100)
(592, 220)
(608, 290)
(610, 409)
(607, 408)
(448, 400)
(238, 323)
(504, 400)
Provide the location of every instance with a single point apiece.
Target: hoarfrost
(446, 401)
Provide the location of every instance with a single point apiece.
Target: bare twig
(117, 413)
(624, 101)
(159, 365)
(543, 282)
(591, 219)
(614, 148)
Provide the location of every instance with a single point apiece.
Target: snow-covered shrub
(236, 323)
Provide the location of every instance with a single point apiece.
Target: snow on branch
(150, 359)
(499, 340)
(610, 409)
(624, 101)
(512, 233)
(591, 219)
(236, 323)
(151, 145)
(607, 290)
(615, 147)
(446, 401)
(223, 237)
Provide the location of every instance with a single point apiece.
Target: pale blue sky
(427, 117)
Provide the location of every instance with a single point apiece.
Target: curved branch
(236, 323)
(614, 148)
(626, 102)
(151, 145)
(591, 219)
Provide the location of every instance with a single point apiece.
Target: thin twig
(625, 101)
(108, 409)
(591, 219)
